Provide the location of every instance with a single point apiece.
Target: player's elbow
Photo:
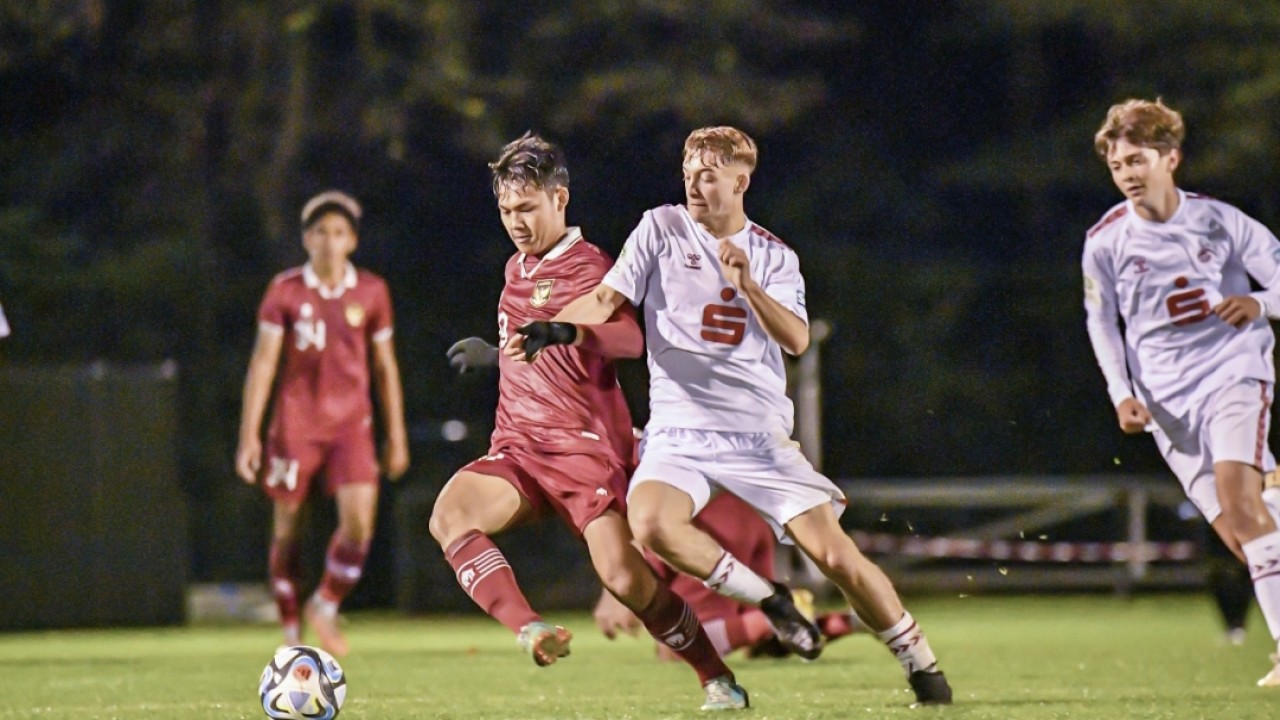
(797, 343)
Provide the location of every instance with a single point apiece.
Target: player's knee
(1243, 514)
(622, 582)
(839, 560)
(447, 523)
(652, 528)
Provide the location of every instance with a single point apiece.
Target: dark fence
(93, 526)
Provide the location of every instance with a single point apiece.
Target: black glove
(540, 334)
(472, 353)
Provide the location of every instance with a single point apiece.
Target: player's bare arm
(783, 326)
(1238, 310)
(594, 307)
(1133, 416)
(386, 378)
(257, 391)
(598, 307)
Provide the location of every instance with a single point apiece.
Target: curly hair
(1142, 122)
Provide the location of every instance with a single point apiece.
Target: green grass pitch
(1099, 658)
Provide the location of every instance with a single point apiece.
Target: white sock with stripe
(907, 643)
(733, 579)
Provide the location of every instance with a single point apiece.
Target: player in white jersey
(1194, 364)
(722, 299)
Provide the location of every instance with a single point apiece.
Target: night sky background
(931, 163)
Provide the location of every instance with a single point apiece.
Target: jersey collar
(571, 238)
(312, 280)
(1142, 222)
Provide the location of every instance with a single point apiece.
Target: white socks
(907, 643)
(1263, 556)
(733, 579)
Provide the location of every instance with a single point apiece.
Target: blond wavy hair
(1142, 122)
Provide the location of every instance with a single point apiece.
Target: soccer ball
(302, 683)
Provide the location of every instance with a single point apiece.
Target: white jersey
(4, 324)
(1163, 280)
(711, 364)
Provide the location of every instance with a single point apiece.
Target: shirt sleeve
(4, 324)
(380, 325)
(630, 274)
(1260, 254)
(271, 313)
(1103, 322)
(784, 283)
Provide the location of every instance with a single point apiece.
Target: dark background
(931, 162)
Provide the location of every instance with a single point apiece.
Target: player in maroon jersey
(326, 318)
(558, 435)
(731, 625)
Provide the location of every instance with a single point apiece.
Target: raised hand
(736, 264)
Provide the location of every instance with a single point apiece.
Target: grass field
(1099, 658)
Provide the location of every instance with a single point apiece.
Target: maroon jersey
(324, 384)
(568, 401)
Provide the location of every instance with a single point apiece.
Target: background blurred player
(723, 297)
(560, 427)
(731, 625)
(1175, 268)
(324, 317)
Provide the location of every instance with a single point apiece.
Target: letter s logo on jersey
(1187, 307)
(726, 324)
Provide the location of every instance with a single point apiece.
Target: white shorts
(766, 471)
(1230, 424)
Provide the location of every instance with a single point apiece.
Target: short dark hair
(530, 161)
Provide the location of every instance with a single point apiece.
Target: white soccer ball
(302, 683)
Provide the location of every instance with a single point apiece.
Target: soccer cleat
(931, 688)
(544, 642)
(1272, 679)
(796, 632)
(322, 616)
(725, 694)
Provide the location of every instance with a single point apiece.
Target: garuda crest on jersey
(354, 314)
(541, 293)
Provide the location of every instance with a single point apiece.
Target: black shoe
(796, 632)
(769, 647)
(931, 688)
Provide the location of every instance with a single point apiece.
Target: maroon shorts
(290, 464)
(579, 487)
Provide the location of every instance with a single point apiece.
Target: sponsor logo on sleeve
(1092, 294)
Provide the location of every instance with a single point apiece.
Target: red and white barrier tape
(1020, 550)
